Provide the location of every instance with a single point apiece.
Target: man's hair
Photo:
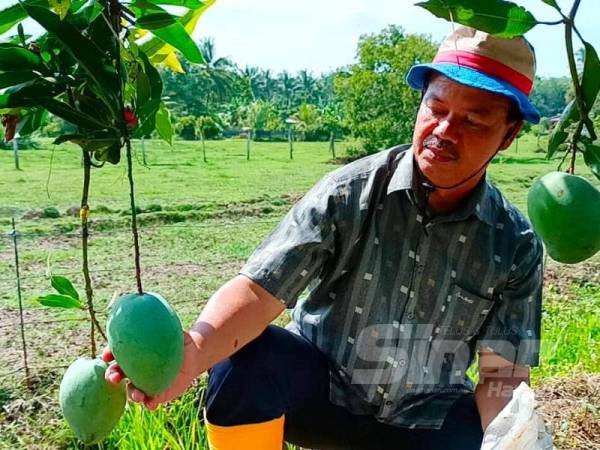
(514, 112)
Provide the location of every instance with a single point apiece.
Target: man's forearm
(492, 395)
(236, 314)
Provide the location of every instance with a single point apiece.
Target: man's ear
(511, 134)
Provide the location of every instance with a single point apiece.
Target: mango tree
(564, 208)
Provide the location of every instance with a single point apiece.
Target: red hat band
(488, 66)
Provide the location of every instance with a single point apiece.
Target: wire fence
(14, 331)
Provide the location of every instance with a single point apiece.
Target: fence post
(16, 152)
(19, 297)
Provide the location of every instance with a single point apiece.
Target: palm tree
(288, 86)
(269, 84)
(217, 71)
(252, 76)
(307, 85)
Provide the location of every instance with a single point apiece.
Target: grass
(199, 223)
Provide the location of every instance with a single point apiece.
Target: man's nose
(447, 129)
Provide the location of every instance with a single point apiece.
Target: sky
(322, 35)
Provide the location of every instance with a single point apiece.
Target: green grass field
(199, 222)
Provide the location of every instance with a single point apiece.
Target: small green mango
(146, 339)
(564, 210)
(91, 406)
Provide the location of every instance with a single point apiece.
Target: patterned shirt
(400, 300)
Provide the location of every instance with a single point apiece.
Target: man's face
(458, 128)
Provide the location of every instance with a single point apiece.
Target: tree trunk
(332, 144)
(517, 145)
(143, 142)
(16, 153)
(203, 146)
(291, 141)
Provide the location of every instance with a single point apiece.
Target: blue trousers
(283, 373)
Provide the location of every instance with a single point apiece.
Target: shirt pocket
(464, 314)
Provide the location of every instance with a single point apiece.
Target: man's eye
(474, 124)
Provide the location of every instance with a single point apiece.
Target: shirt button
(410, 315)
(420, 268)
(389, 403)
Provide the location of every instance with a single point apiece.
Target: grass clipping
(570, 408)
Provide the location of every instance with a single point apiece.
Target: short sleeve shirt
(400, 302)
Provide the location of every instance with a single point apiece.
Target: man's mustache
(432, 141)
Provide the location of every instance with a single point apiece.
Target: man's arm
(235, 315)
(498, 378)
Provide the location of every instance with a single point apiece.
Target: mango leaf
(501, 18)
(110, 154)
(66, 112)
(155, 21)
(59, 301)
(61, 7)
(590, 80)
(156, 46)
(8, 79)
(164, 125)
(176, 35)
(551, 3)
(90, 10)
(569, 116)
(11, 16)
(190, 4)
(89, 56)
(64, 286)
(28, 93)
(591, 156)
(172, 62)
(143, 88)
(94, 141)
(32, 121)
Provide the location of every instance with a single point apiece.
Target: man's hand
(189, 371)
(498, 378)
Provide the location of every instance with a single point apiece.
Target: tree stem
(134, 229)
(85, 233)
(583, 116)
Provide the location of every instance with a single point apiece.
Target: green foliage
(59, 301)
(502, 18)
(185, 128)
(380, 107)
(550, 95)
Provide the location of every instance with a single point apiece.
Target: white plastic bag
(518, 426)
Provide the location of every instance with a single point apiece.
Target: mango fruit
(91, 406)
(564, 210)
(146, 339)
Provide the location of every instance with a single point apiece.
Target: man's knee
(240, 389)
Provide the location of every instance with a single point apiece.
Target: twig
(19, 297)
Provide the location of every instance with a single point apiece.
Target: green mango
(18, 58)
(146, 339)
(91, 406)
(564, 210)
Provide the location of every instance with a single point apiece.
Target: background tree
(379, 105)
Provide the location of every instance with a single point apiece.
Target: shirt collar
(479, 202)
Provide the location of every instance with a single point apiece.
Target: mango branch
(582, 108)
(134, 230)
(115, 12)
(84, 215)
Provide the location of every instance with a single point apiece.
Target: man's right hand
(189, 371)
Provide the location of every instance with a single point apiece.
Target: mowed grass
(199, 223)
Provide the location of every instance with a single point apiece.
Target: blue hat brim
(470, 77)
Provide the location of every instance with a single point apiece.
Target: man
(413, 264)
